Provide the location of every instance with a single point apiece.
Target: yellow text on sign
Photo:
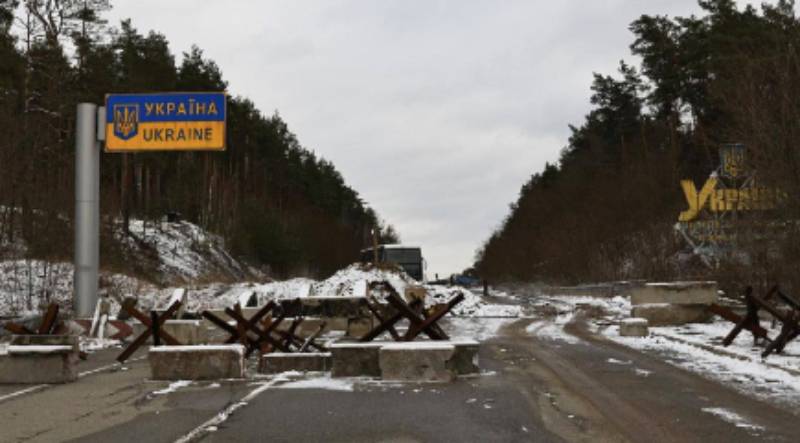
(723, 200)
(170, 136)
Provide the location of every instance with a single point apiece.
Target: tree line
(606, 209)
(277, 204)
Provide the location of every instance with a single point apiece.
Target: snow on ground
(696, 347)
(553, 329)
(186, 255)
(174, 386)
(185, 251)
(181, 252)
(480, 329)
(748, 374)
(474, 305)
(27, 285)
(344, 283)
(321, 382)
(733, 418)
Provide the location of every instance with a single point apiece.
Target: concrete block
(465, 359)
(197, 362)
(38, 364)
(678, 293)
(246, 313)
(417, 361)
(633, 327)
(187, 332)
(310, 326)
(359, 327)
(355, 359)
(326, 307)
(46, 340)
(277, 362)
(671, 315)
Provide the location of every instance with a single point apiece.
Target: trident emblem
(126, 121)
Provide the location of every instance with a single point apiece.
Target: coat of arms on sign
(126, 120)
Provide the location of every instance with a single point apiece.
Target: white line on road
(222, 416)
(37, 388)
(22, 392)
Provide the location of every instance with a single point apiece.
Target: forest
(607, 209)
(275, 203)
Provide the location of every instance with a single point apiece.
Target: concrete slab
(634, 327)
(677, 293)
(38, 364)
(417, 361)
(355, 359)
(326, 307)
(359, 327)
(197, 362)
(465, 359)
(277, 362)
(187, 332)
(46, 340)
(662, 314)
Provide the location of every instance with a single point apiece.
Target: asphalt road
(532, 389)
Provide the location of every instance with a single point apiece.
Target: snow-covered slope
(169, 254)
(182, 255)
(184, 251)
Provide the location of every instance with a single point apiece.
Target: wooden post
(375, 246)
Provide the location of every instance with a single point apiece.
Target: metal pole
(87, 210)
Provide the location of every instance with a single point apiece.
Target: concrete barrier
(355, 359)
(633, 327)
(197, 362)
(46, 340)
(187, 332)
(214, 335)
(675, 293)
(663, 314)
(364, 359)
(465, 359)
(277, 362)
(37, 364)
(359, 327)
(417, 361)
(326, 307)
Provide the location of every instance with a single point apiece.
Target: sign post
(87, 210)
(175, 121)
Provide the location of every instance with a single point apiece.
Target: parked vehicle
(409, 258)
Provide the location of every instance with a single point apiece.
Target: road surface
(532, 389)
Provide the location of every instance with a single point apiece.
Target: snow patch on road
(480, 329)
(324, 382)
(174, 386)
(733, 418)
(553, 330)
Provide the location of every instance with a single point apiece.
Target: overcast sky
(435, 111)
